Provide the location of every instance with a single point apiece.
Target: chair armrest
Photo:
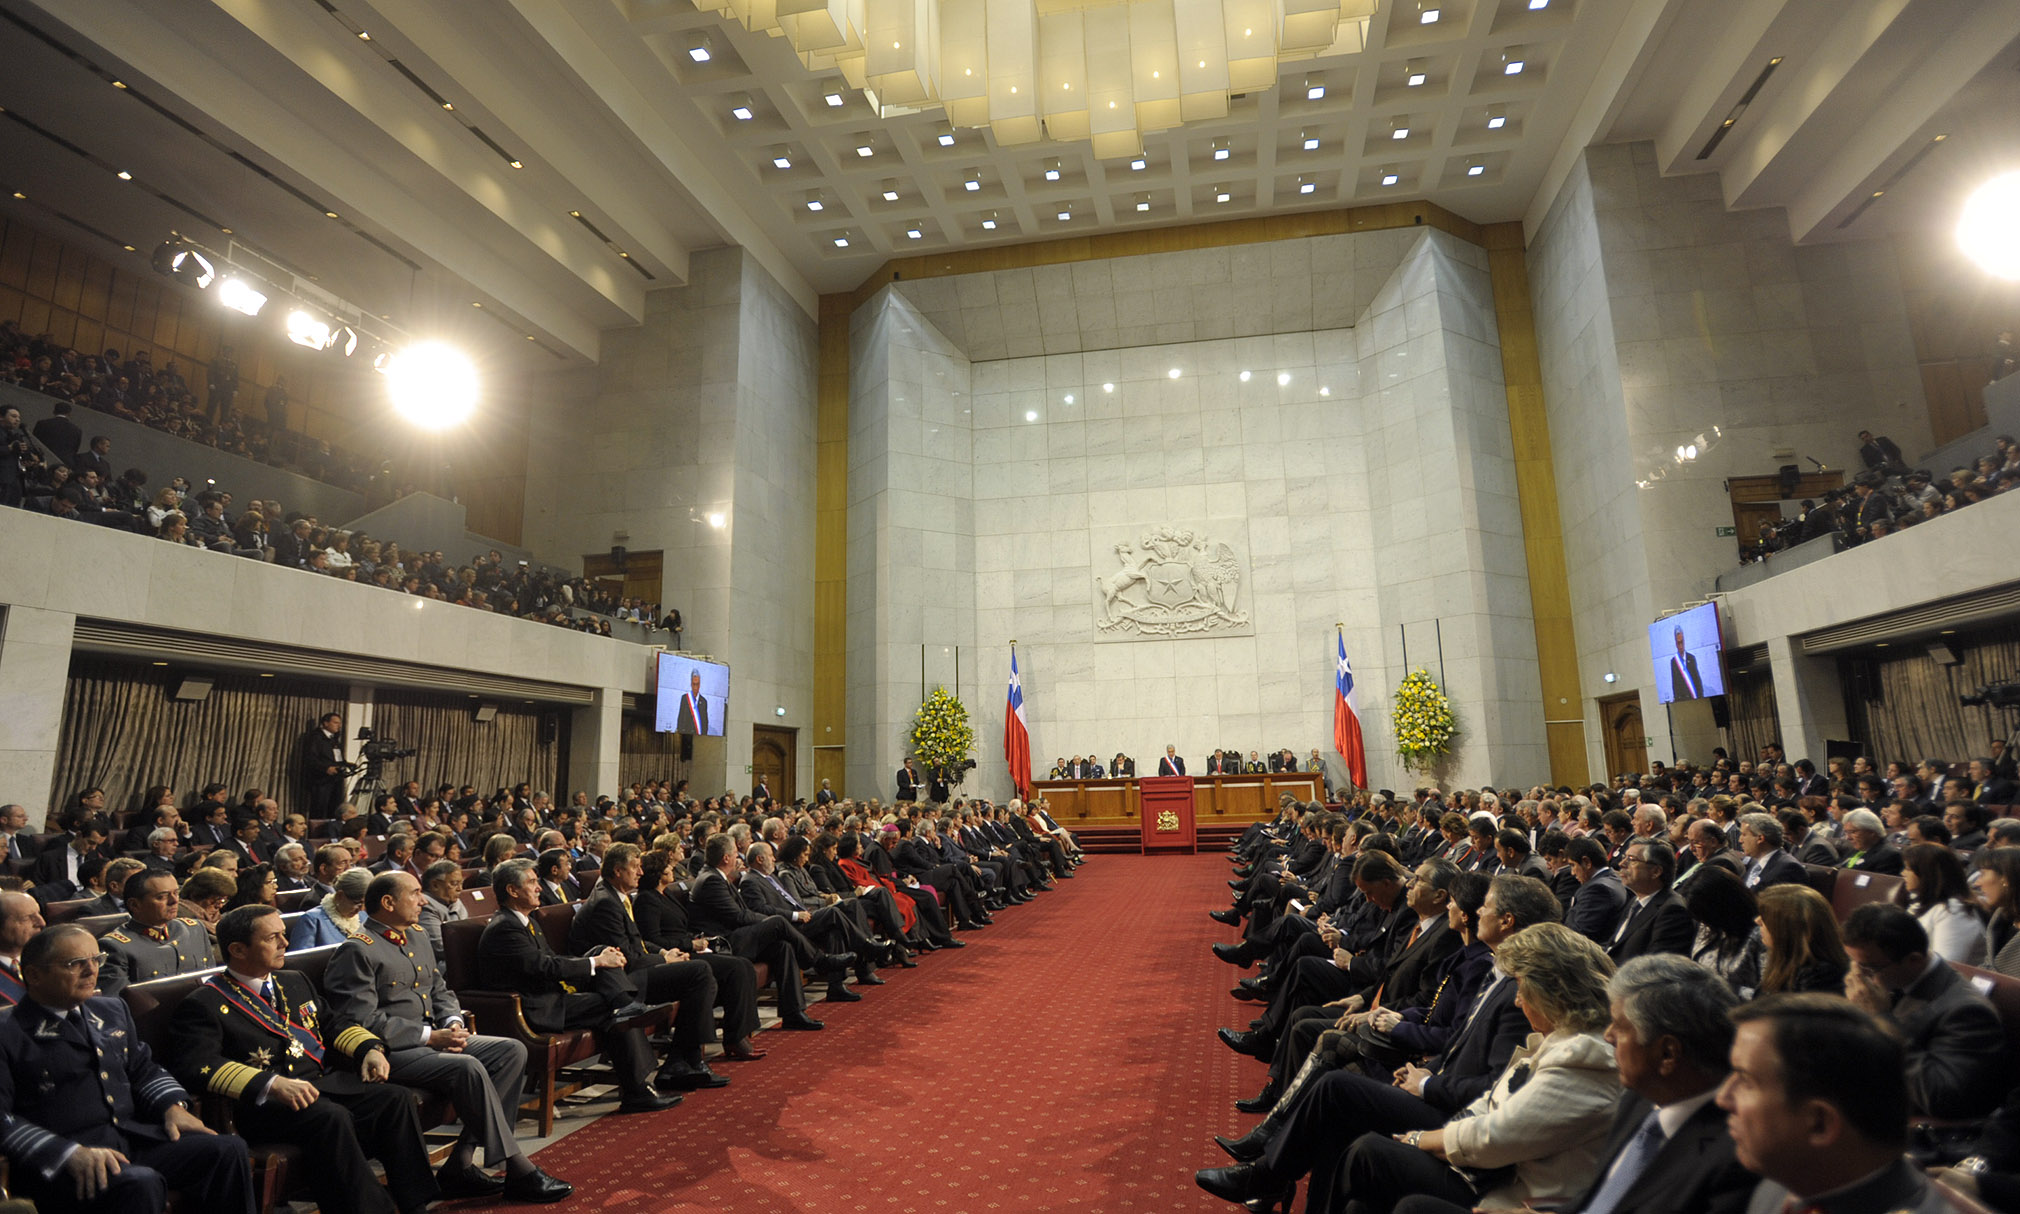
(502, 1015)
(220, 1113)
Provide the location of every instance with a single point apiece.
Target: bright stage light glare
(432, 385)
(1989, 229)
(240, 296)
(304, 329)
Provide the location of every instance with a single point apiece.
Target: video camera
(379, 750)
(1996, 695)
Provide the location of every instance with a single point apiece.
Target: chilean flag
(1016, 736)
(1346, 722)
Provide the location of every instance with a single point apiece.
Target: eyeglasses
(78, 965)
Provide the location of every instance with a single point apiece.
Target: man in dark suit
(1870, 852)
(72, 1059)
(607, 920)
(1988, 786)
(1217, 764)
(1656, 921)
(1601, 901)
(1684, 681)
(1957, 1056)
(57, 873)
(257, 1035)
(322, 762)
(830, 926)
(61, 435)
(693, 714)
(1122, 766)
(21, 845)
(714, 909)
(559, 993)
(1170, 764)
(1760, 838)
(97, 460)
(908, 781)
(1669, 1151)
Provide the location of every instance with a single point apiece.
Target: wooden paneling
(1216, 800)
(831, 541)
(1536, 491)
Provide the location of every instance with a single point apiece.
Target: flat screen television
(1686, 650)
(693, 696)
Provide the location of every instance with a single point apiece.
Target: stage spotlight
(344, 340)
(308, 330)
(1987, 230)
(241, 296)
(184, 264)
(432, 385)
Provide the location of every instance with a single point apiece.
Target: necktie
(1634, 1160)
(1377, 1000)
(267, 991)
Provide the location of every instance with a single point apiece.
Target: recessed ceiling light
(1306, 187)
(1244, 377)
(1221, 151)
(1537, 6)
(19, 194)
(1428, 12)
(1069, 398)
(329, 214)
(119, 84)
(913, 233)
(782, 159)
(1031, 415)
(1052, 169)
(1065, 215)
(515, 164)
(1283, 379)
(815, 204)
(864, 149)
(1391, 178)
(972, 180)
(1496, 119)
(125, 176)
(739, 108)
(1108, 387)
(841, 242)
(890, 195)
(1222, 194)
(989, 222)
(1315, 88)
(1174, 373)
(698, 50)
(834, 96)
(1310, 141)
(1138, 165)
(1418, 73)
(362, 37)
(1325, 391)
(946, 139)
(1513, 60)
(1474, 170)
(1400, 129)
(1143, 204)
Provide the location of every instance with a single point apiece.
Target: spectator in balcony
(294, 548)
(1880, 454)
(61, 435)
(339, 552)
(98, 458)
(209, 526)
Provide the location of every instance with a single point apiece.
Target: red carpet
(1063, 1061)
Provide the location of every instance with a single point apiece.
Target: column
(593, 741)
(34, 670)
(1809, 699)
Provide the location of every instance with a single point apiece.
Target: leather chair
(63, 912)
(296, 900)
(1855, 889)
(555, 1062)
(480, 901)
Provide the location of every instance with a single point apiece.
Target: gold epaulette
(353, 1040)
(231, 1079)
(360, 934)
(122, 937)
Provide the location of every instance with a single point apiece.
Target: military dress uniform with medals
(387, 980)
(86, 1079)
(136, 954)
(233, 1040)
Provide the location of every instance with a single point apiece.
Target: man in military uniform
(92, 1122)
(153, 942)
(255, 1035)
(385, 978)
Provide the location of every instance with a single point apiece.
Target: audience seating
(296, 900)
(479, 901)
(1856, 889)
(1821, 879)
(63, 912)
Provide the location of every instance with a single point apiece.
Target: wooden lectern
(1167, 814)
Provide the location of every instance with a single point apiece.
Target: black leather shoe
(536, 1186)
(1261, 1102)
(680, 1077)
(1246, 1149)
(468, 1181)
(1236, 884)
(1230, 916)
(950, 942)
(1234, 954)
(1243, 1043)
(868, 977)
(1248, 994)
(1261, 985)
(1238, 1183)
(831, 964)
(643, 1102)
(842, 994)
(902, 957)
(802, 1024)
(634, 1008)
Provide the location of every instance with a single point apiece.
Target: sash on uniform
(302, 1039)
(11, 990)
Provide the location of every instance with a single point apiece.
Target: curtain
(646, 754)
(453, 748)
(1751, 712)
(1903, 704)
(122, 732)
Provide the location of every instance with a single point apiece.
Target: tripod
(371, 783)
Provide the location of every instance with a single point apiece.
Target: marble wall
(1006, 434)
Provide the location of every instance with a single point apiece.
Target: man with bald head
(21, 845)
(20, 919)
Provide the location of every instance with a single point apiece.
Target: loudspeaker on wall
(192, 687)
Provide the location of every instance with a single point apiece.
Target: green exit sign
(1726, 531)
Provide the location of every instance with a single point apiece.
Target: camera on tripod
(1995, 695)
(380, 750)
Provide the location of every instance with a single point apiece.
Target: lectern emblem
(1167, 821)
(1173, 582)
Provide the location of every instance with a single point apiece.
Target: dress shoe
(1234, 954)
(901, 957)
(1246, 1149)
(801, 1024)
(682, 1077)
(647, 1101)
(634, 1008)
(1238, 1183)
(950, 942)
(469, 1180)
(867, 976)
(1249, 1043)
(1236, 884)
(741, 1051)
(842, 994)
(1261, 1102)
(1248, 994)
(986, 919)
(537, 1186)
(1230, 916)
(832, 964)
(1260, 985)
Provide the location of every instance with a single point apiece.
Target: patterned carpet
(1063, 1061)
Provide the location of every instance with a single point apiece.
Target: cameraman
(322, 763)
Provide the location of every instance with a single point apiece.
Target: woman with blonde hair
(1801, 948)
(1535, 1137)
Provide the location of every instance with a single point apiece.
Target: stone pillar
(34, 670)
(1809, 699)
(593, 740)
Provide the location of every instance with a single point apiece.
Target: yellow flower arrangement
(1422, 720)
(941, 734)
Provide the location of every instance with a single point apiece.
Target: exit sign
(1726, 531)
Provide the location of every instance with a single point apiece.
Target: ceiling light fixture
(815, 204)
(1391, 177)
(914, 232)
(841, 242)
(781, 158)
(739, 108)
(1309, 140)
(241, 296)
(1428, 12)
(1221, 149)
(1222, 194)
(865, 150)
(1985, 230)
(1174, 373)
(1143, 202)
(1475, 169)
(1315, 88)
(989, 222)
(890, 191)
(971, 181)
(1418, 73)
(1399, 129)
(1243, 377)
(1065, 214)
(1537, 6)
(946, 139)
(1052, 169)
(1108, 387)
(697, 49)
(307, 330)
(1138, 165)
(125, 176)
(1283, 379)
(834, 96)
(1307, 187)
(1497, 118)
(1513, 60)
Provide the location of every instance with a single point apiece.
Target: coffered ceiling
(522, 172)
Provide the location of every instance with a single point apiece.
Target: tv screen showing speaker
(1685, 649)
(693, 696)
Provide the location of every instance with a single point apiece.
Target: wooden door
(640, 578)
(1620, 723)
(771, 759)
(1751, 517)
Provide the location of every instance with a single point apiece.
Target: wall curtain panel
(122, 732)
(1916, 714)
(1753, 716)
(454, 749)
(645, 754)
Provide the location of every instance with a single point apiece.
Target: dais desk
(1217, 800)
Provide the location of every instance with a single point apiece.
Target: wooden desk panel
(1217, 799)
